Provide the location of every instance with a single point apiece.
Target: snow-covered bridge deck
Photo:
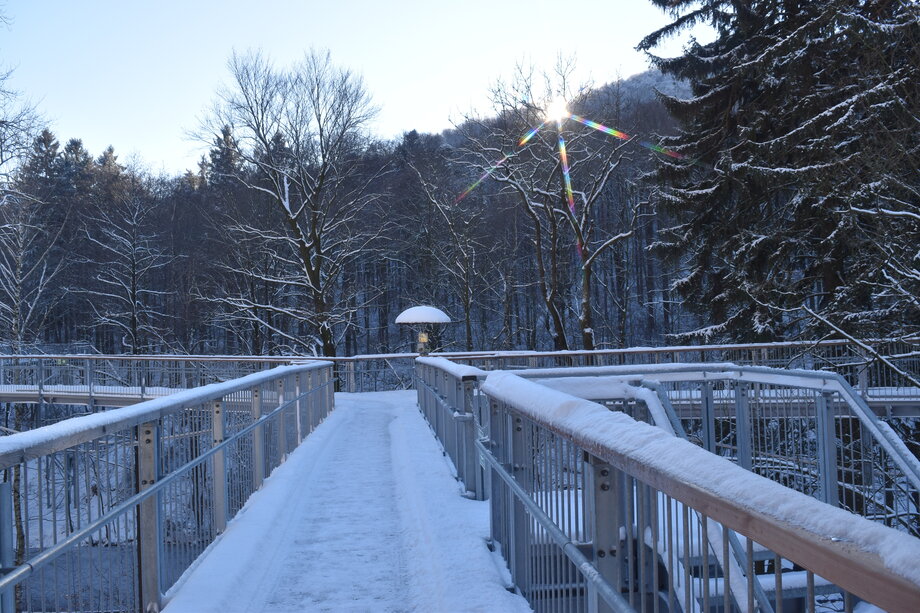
(364, 516)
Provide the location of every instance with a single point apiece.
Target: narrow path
(364, 516)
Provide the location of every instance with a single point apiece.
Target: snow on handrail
(31, 444)
(836, 539)
(819, 381)
(459, 371)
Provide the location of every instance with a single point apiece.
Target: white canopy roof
(423, 315)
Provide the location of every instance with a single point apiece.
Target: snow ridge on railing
(725, 489)
(819, 381)
(31, 444)
(519, 416)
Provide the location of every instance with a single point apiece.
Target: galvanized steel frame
(861, 573)
(311, 386)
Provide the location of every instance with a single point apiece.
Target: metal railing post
(298, 407)
(324, 377)
(826, 447)
(743, 426)
(862, 378)
(350, 384)
(497, 500)
(258, 441)
(282, 433)
(602, 525)
(471, 473)
(313, 381)
(40, 375)
(148, 524)
(220, 468)
(420, 391)
(519, 520)
(707, 415)
(90, 374)
(435, 413)
(7, 543)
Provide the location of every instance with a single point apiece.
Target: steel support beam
(148, 521)
(220, 468)
(258, 441)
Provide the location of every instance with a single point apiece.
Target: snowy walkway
(364, 516)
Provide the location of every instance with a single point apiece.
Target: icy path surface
(364, 516)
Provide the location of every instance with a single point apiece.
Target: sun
(557, 110)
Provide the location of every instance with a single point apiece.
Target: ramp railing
(807, 430)
(105, 512)
(580, 493)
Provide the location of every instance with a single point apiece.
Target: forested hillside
(210, 262)
(763, 186)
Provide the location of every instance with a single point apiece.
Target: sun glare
(556, 110)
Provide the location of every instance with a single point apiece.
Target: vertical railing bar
(810, 591)
(258, 441)
(630, 561)
(726, 573)
(641, 524)
(848, 602)
(705, 546)
(778, 583)
(672, 554)
(147, 515)
(743, 426)
(826, 448)
(687, 543)
(653, 520)
(7, 543)
(219, 471)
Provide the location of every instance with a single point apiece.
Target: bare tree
(559, 176)
(461, 251)
(127, 296)
(27, 274)
(301, 138)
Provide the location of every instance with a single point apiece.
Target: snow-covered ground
(364, 516)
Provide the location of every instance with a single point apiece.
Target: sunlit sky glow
(139, 75)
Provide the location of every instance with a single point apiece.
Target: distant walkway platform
(99, 395)
(364, 516)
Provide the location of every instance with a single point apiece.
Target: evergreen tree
(803, 126)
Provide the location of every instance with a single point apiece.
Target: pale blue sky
(139, 74)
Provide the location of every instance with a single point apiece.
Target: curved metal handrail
(819, 381)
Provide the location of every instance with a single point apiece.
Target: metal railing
(873, 379)
(808, 430)
(154, 375)
(366, 373)
(448, 396)
(584, 516)
(105, 512)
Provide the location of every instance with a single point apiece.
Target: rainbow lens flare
(601, 127)
(569, 196)
(624, 136)
(563, 156)
(469, 189)
(531, 134)
(559, 119)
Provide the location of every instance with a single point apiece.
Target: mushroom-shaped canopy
(423, 315)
